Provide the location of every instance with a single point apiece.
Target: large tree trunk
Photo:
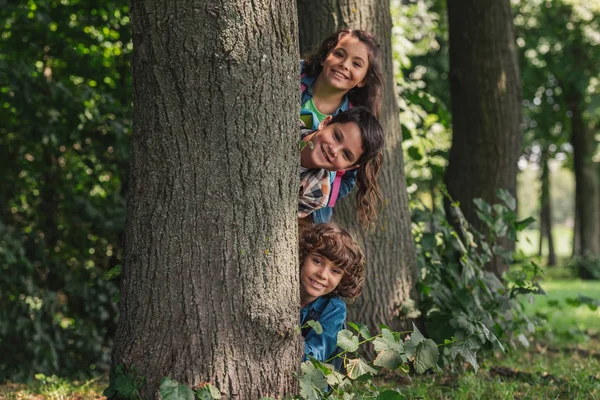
(546, 212)
(210, 289)
(587, 191)
(486, 105)
(390, 248)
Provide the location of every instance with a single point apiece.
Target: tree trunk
(546, 212)
(587, 192)
(210, 287)
(486, 106)
(390, 251)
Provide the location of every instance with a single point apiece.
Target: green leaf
(389, 359)
(507, 198)
(483, 206)
(347, 340)
(410, 346)
(524, 223)
(312, 381)
(390, 395)
(208, 392)
(467, 350)
(316, 326)
(361, 329)
(415, 153)
(336, 380)
(112, 273)
(426, 356)
(172, 390)
(490, 336)
(387, 341)
(126, 387)
(357, 367)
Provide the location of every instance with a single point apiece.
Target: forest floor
(562, 360)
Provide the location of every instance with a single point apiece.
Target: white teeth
(317, 284)
(339, 75)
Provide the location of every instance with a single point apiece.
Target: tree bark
(587, 191)
(546, 212)
(210, 287)
(486, 105)
(390, 252)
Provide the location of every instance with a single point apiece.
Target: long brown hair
(370, 94)
(368, 196)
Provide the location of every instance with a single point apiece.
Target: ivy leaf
(361, 329)
(426, 356)
(316, 325)
(490, 336)
(524, 223)
(467, 351)
(335, 379)
(391, 395)
(357, 367)
(347, 340)
(208, 392)
(390, 359)
(172, 390)
(126, 387)
(410, 346)
(312, 381)
(112, 273)
(483, 206)
(507, 198)
(387, 341)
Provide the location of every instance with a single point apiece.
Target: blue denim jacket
(349, 178)
(332, 319)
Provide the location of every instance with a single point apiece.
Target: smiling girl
(352, 140)
(344, 72)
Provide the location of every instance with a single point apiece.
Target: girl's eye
(346, 155)
(337, 136)
(357, 64)
(317, 261)
(337, 271)
(338, 53)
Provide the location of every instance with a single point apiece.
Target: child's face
(336, 146)
(346, 65)
(318, 277)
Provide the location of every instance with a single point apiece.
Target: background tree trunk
(587, 191)
(486, 105)
(546, 212)
(210, 288)
(390, 252)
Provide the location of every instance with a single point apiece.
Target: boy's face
(318, 277)
(336, 147)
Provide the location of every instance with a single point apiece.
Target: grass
(529, 240)
(55, 388)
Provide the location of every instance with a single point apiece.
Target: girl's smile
(346, 65)
(336, 146)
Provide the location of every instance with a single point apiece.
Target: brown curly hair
(371, 93)
(337, 245)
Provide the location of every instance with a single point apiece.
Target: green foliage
(459, 298)
(125, 383)
(65, 100)
(320, 380)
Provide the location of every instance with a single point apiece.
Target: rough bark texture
(587, 191)
(210, 281)
(546, 213)
(391, 259)
(486, 105)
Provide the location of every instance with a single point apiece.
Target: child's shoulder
(333, 304)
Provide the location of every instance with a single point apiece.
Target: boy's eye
(337, 271)
(338, 53)
(357, 64)
(317, 261)
(337, 136)
(347, 155)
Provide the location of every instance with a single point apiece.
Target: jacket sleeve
(332, 319)
(347, 183)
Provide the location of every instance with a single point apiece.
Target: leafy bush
(459, 298)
